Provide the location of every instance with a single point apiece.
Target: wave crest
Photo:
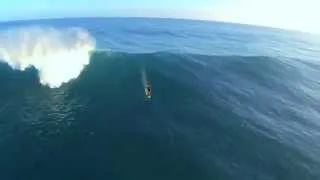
(58, 54)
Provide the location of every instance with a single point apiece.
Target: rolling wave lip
(186, 55)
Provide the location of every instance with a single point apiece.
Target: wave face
(58, 54)
(208, 109)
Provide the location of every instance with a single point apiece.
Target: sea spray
(58, 54)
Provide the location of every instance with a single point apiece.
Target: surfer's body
(147, 90)
(146, 84)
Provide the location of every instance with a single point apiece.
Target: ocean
(229, 101)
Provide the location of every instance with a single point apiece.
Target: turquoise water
(229, 102)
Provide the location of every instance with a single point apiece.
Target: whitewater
(59, 55)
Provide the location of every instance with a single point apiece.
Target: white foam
(58, 54)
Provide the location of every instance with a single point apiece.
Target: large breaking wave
(58, 54)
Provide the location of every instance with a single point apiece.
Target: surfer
(146, 83)
(148, 90)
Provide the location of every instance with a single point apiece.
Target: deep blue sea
(229, 102)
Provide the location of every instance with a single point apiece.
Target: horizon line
(154, 17)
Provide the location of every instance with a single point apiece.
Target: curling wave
(59, 55)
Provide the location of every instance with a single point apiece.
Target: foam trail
(58, 54)
(144, 77)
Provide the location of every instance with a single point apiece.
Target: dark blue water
(229, 102)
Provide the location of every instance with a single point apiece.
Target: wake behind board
(146, 84)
